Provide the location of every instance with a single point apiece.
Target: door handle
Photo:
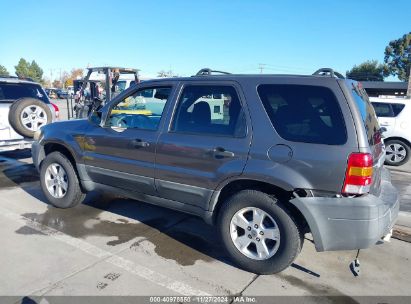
(220, 152)
(139, 143)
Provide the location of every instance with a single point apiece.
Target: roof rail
(16, 77)
(208, 72)
(328, 72)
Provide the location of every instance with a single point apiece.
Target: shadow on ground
(176, 236)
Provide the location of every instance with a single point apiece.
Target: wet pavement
(116, 246)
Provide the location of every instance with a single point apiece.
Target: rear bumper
(351, 223)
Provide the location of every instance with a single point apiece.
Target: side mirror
(383, 129)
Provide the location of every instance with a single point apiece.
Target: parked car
(24, 109)
(52, 93)
(394, 114)
(62, 94)
(288, 156)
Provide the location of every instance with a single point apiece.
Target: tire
(73, 194)
(397, 152)
(290, 237)
(36, 112)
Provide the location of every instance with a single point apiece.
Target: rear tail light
(56, 110)
(358, 178)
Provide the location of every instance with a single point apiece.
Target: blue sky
(236, 36)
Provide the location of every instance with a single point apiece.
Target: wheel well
(283, 195)
(52, 147)
(398, 138)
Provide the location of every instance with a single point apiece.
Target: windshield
(13, 91)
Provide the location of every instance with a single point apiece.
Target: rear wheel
(397, 152)
(258, 232)
(59, 181)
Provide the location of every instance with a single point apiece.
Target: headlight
(37, 135)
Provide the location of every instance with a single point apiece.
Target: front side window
(300, 113)
(139, 111)
(214, 110)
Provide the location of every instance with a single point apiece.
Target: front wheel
(258, 232)
(59, 181)
(397, 152)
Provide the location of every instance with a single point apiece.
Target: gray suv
(265, 158)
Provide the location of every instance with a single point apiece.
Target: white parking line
(131, 267)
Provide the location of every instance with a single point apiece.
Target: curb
(404, 219)
(402, 233)
(402, 228)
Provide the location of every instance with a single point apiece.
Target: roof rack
(18, 78)
(328, 72)
(208, 72)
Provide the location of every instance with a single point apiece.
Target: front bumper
(351, 223)
(10, 145)
(37, 153)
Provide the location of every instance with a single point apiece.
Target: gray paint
(180, 171)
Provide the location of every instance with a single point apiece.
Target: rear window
(300, 113)
(12, 91)
(368, 115)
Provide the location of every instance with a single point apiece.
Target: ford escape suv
(279, 157)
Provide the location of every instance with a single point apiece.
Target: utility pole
(261, 66)
(409, 85)
(51, 78)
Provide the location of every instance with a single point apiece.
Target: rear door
(207, 141)
(386, 116)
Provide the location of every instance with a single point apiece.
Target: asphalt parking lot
(115, 246)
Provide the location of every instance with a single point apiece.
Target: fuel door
(280, 153)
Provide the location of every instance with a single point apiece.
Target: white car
(24, 109)
(394, 114)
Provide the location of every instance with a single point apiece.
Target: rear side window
(210, 109)
(383, 109)
(397, 108)
(368, 115)
(387, 109)
(300, 113)
(12, 91)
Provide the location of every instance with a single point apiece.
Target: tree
(398, 57)
(166, 74)
(36, 72)
(74, 74)
(31, 70)
(369, 70)
(57, 84)
(3, 71)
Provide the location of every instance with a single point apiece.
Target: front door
(206, 143)
(122, 152)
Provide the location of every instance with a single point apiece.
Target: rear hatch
(372, 131)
